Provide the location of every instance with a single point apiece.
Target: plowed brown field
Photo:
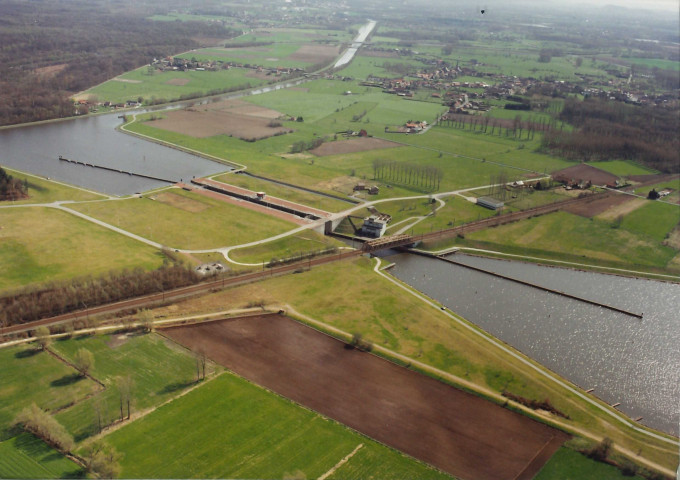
(459, 433)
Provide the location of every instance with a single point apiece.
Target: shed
(490, 203)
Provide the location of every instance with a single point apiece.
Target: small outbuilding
(490, 203)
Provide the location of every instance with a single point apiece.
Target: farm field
(214, 428)
(376, 397)
(26, 456)
(40, 257)
(186, 220)
(170, 86)
(275, 55)
(26, 377)
(622, 168)
(155, 370)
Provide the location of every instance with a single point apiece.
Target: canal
(631, 361)
(36, 149)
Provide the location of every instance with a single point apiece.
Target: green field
(40, 244)
(567, 464)
(563, 236)
(229, 428)
(158, 369)
(156, 85)
(30, 376)
(623, 168)
(26, 456)
(186, 220)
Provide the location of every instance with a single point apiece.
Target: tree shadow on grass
(175, 387)
(27, 353)
(67, 380)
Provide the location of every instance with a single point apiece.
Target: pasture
(26, 456)
(31, 376)
(564, 236)
(157, 371)
(61, 246)
(154, 85)
(229, 428)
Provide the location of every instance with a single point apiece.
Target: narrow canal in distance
(627, 360)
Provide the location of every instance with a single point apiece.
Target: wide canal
(627, 360)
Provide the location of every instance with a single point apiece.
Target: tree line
(514, 128)
(33, 304)
(113, 39)
(427, 177)
(613, 130)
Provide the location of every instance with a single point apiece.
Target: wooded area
(53, 300)
(12, 188)
(614, 130)
(51, 51)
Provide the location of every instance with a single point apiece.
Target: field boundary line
(340, 463)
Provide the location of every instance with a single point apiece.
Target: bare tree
(42, 335)
(83, 361)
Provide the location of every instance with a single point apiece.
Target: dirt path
(340, 463)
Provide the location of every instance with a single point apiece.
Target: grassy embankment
(186, 220)
(41, 190)
(348, 296)
(288, 247)
(38, 245)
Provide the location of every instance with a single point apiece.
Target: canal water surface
(635, 362)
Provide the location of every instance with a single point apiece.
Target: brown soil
(244, 121)
(352, 145)
(243, 108)
(457, 432)
(623, 208)
(600, 205)
(582, 172)
(315, 54)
